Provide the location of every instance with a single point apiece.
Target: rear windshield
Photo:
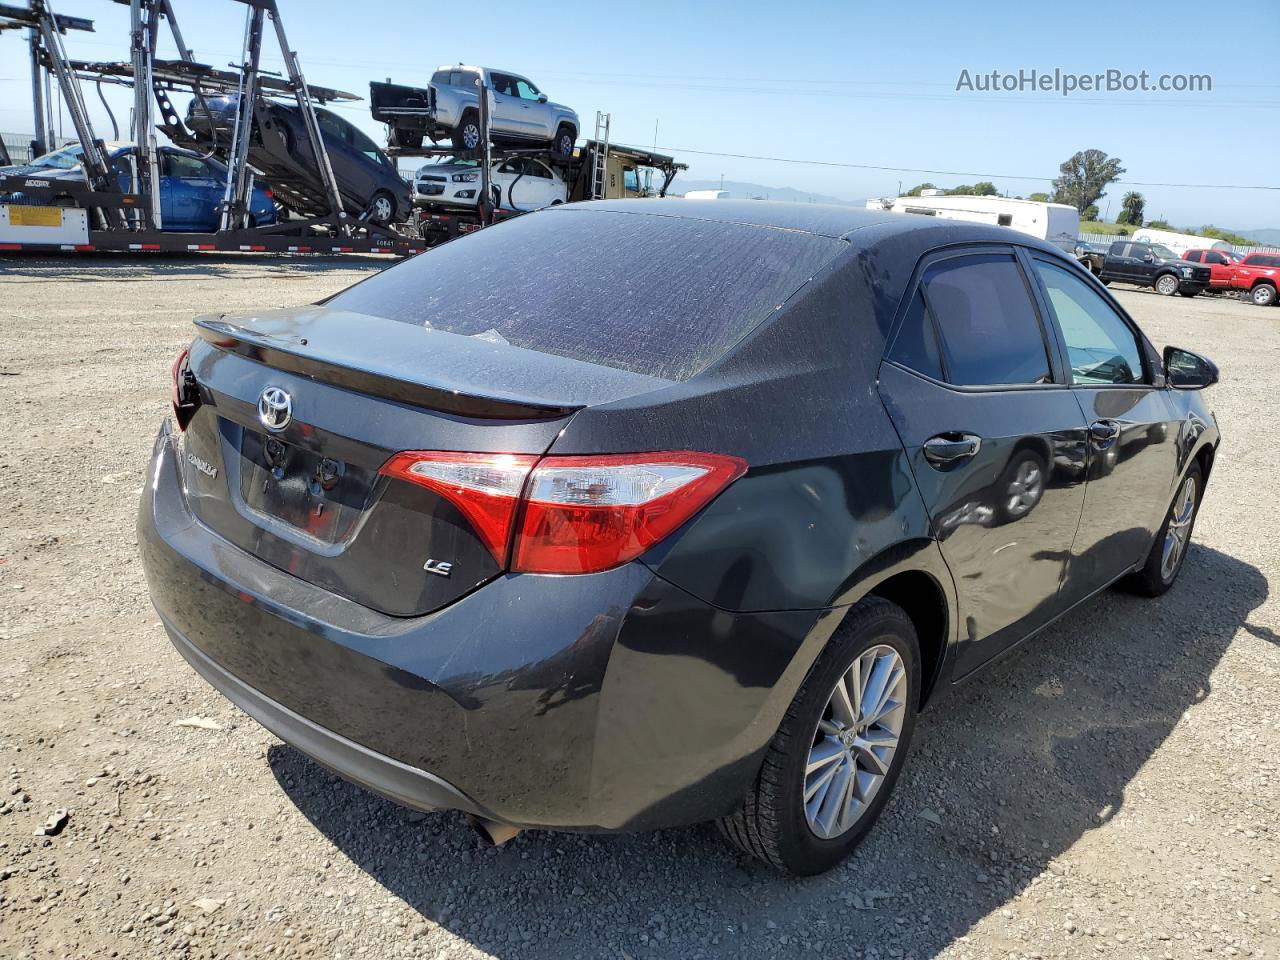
(657, 295)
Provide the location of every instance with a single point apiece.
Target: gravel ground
(1112, 790)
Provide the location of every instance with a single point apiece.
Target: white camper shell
(1058, 223)
(1179, 243)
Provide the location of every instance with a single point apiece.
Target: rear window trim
(966, 249)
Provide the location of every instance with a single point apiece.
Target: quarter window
(1101, 347)
(916, 345)
(987, 324)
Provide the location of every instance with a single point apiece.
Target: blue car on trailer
(191, 185)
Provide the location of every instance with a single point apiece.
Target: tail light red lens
(485, 487)
(586, 514)
(571, 514)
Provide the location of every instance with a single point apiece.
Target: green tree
(1159, 225)
(1085, 177)
(1040, 198)
(918, 189)
(1090, 213)
(1132, 208)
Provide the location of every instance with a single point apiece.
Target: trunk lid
(296, 480)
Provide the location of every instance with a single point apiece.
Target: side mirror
(542, 98)
(1185, 370)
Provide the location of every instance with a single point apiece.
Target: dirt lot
(1113, 790)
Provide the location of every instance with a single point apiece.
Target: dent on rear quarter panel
(828, 489)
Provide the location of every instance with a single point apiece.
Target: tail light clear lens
(586, 514)
(574, 514)
(184, 394)
(485, 487)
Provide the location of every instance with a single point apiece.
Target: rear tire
(1263, 295)
(775, 823)
(1166, 285)
(467, 134)
(1158, 574)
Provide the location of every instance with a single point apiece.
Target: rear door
(508, 110)
(1133, 427)
(1121, 263)
(995, 437)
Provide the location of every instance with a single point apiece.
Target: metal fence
(1106, 239)
(18, 145)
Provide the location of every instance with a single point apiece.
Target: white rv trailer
(1058, 223)
(1179, 243)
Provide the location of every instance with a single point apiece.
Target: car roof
(862, 228)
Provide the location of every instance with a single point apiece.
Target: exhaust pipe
(492, 832)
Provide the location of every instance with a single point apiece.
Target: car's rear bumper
(375, 771)
(604, 702)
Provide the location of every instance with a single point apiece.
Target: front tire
(1166, 285)
(1263, 295)
(563, 143)
(831, 766)
(382, 209)
(1172, 543)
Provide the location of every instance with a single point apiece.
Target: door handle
(949, 448)
(1104, 432)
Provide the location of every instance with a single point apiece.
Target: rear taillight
(485, 487)
(185, 395)
(572, 514)
(585, 514)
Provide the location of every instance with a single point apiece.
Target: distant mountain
(740, 190)
(1268, 236)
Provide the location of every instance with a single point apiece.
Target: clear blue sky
(853, 83)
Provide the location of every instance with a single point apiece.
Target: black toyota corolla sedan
(625, 515)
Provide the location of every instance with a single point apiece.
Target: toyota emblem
(275, 409)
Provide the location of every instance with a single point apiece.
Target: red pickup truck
(1256, 276)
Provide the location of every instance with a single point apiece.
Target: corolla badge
(204, 466)
(275, 408)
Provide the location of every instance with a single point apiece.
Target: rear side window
(661, 296)
(988, 327)
(1118, 249)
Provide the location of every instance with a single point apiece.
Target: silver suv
(520, 111)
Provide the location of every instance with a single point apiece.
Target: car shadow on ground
(1040, 747)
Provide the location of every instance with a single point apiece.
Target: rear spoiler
(289, 353)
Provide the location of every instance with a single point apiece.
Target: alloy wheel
(855, 741)
(1025, 489)
(470, 136)
(1167, 285)
(1179, 532)
(382, 210)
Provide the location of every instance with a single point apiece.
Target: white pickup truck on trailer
(1179, 243)
(1058, 223)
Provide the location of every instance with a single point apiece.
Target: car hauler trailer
(131, 219)
(596, 170)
